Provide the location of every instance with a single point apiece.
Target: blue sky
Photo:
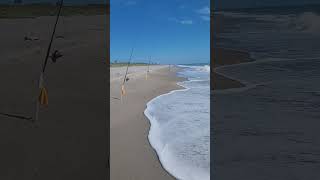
(170, 31)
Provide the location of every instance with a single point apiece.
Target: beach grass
(37, 10)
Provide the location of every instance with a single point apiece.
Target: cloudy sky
(170, 31)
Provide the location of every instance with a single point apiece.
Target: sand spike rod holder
(43, 95)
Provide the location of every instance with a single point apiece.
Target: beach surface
(132, 156)
(69, 141)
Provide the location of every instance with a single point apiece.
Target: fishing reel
(55, 55)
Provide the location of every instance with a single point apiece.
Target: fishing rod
(52, 36)
(125, 76)
(43, 92)
(148, 68)
(54, 57)
(123, 92)
(149, 63)
(43, 97)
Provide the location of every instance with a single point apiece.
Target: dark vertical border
(108, 89)
(212, 65)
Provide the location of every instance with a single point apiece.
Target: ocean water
(279, 109)
(285, 43)
(268, 34)
(180, 126)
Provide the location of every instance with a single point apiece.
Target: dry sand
(117, 73)
(70, 139)
(132, 157)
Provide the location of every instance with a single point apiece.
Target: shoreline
(130, 130)
(179, 88)
(148, 116)
(223, 58)
(164, 155)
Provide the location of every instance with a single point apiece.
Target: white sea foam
(180, 126)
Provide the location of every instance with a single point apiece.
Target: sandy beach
(132, 157)
(69, 141)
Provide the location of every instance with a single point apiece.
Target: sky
(168, 31)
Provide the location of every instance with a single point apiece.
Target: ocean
(285, 43)
(279, 109)
(282, 33)
(180, 125)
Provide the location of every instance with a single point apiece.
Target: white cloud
(206, 18)
(204, 10)
(204, 13)
(186, 22)
(173, 19)
(130, 3)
